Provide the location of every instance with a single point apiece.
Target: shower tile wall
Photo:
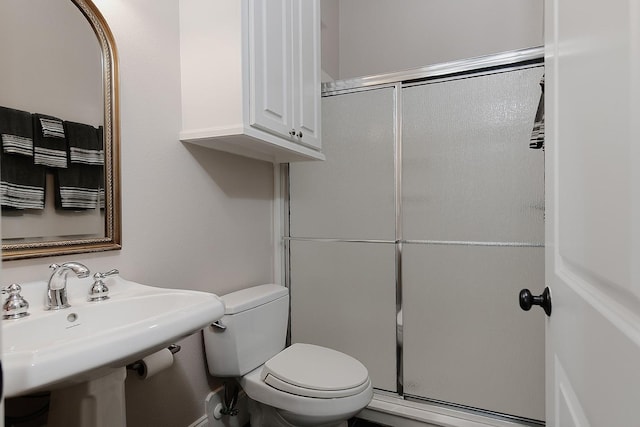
(472, 220)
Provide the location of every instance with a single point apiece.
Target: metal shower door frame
(485, 65)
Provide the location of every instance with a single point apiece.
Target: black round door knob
(527, 300)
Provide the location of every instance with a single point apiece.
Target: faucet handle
(99, 291)
(15, 306)
(100, 276)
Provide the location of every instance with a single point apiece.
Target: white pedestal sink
(82, 351)
(96, 403)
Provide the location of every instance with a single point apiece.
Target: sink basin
(53, 349)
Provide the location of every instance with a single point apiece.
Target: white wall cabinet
(250, 74)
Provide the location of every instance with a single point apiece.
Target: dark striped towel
(80, 187)
(537, 134)
(21, 182)
(16, 131)
(49, 142)
(85, 147)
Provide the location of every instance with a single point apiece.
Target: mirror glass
(59, 185)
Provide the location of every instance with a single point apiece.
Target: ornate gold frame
(113, 230)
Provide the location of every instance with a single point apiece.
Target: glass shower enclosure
(408, 246)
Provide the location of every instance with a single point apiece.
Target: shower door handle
(527, 300)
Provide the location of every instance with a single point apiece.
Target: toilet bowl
(310, 385)
(301, 385)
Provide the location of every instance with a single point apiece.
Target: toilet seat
(317, 372)
(255, 387)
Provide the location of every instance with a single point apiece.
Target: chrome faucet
(57, 287)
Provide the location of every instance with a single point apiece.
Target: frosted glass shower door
(473, 231)
(342, 230)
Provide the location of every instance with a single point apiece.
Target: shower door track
(500, 61)
(490, 64)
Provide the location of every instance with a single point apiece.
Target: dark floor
(357, 422)
(19, 412)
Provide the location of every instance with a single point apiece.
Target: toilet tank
(256, 330)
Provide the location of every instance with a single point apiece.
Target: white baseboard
(394, 411)
(397, 412)
(200, 422)
(209, 418)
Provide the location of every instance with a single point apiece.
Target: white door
(306, 71)
(270, 65)
(593, 212)
(1, 372)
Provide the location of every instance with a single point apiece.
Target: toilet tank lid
(245, 299)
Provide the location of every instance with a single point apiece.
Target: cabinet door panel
(270, 65)
(306, 71)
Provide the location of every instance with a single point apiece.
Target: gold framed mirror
(54, 41)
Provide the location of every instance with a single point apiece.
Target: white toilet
(301, 385)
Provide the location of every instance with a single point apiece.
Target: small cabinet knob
(527, 300)
(299, 134)
(292, 132)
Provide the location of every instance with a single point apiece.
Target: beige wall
(379, 36)
(192, 218)
(330, 29)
